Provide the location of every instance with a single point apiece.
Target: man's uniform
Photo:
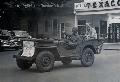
(75, 40)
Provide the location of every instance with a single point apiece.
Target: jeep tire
(87, 58)
(23, 64)
(45, 61)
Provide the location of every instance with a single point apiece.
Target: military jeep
(45, 52)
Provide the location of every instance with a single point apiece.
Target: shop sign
(97, 5)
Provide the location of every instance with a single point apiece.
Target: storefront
(103, 15)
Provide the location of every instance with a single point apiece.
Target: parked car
(21, 34)
(8, 41)
(43, 36)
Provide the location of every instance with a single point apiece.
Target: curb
(111, 46)
(112, 49)
(113, 43)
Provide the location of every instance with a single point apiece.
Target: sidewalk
(111, 46)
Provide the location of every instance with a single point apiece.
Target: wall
(113, 18)
(69, 22)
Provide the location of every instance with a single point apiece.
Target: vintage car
(45, 52)
(19, 34)
(7, 41)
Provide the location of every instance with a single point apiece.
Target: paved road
(105, 69)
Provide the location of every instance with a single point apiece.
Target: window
(55, 23)
(81, 27)
(103, 28)
(62, 29)
(47, 25)
(81, 22)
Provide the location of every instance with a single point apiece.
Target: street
(106, 68)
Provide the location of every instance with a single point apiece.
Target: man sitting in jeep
(74, 41)
(75, 37)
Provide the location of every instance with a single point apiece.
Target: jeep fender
(52, 49)
(91, 47)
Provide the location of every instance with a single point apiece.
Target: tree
(29, 3)
(9, 8)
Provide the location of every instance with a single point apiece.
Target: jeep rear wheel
(66, 61)
(87, 58)
(45, 61)
(23, 64)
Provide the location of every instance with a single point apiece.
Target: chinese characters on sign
(97, 5)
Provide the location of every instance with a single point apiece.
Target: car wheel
(66, 61)
(45, 61)
(87, 58)
(23, 64)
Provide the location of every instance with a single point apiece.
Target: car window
(21, 33)
(6, 33)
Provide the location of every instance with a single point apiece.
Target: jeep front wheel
(23, 64)
(87, 58)
(45, 61)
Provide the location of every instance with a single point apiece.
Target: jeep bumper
(23, 57)
(98, 49)
(18, 56)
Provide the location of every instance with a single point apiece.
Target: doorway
(62, 29)
(103, 28)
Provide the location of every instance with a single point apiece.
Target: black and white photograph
(59, 40)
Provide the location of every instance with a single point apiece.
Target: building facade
(50, 21)
(104, 16)
(61, 19)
